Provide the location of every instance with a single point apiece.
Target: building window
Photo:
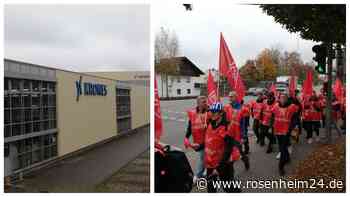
(188, 79)
(123, 110)
(178, 91)
(179, 79)
(188, 91)
(7, 150)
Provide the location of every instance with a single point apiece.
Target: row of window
(28, 127)
(123, 109)
(27, 115)
(14, 85)
(178, 91)
(29, 101)
(31, 150)
(178, 79)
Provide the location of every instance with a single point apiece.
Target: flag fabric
(212, 90)
(228, 68)
(273, 89)
(338, 90)
(292, 87)
(307, 85)
(158, 126)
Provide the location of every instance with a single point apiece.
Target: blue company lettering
(95, 89)
(90, 89)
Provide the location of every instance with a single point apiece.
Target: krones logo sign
(89, 89)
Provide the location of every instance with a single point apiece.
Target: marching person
(236, 121)
(219, 149)
(281, 118)
(266, 122)
(197, 125)
(256, 114)
(312, 115)
(246, 117)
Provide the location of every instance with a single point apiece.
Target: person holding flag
(197, 125)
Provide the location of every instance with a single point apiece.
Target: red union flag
(228, 68)
(158, 127)
(211, 87)
(307, 85)
(338, 90)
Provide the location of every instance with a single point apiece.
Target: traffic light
(320, 57)
(188, 7)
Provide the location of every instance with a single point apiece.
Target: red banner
(338, 90)
(307, 85)
(212, 90)
(228, 68)
(158, 127)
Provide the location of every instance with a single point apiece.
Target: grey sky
(247, 30)
(79, 37)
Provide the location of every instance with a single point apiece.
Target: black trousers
(264, 132)
(283, 148)
(226, 173)
(256, 127)
(310, 127)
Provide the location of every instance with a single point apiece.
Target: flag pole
(219, 88)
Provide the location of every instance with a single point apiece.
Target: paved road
(263, 166)
(82, 173)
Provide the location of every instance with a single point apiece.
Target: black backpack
(173, 172)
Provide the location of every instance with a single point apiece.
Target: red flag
(228, 68)
(291, 87)
(273, 88)
(307, 85)
(158, 127)
(338, 90)
(212, 90)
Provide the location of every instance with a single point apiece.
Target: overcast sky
(246, 29)
(79, 37)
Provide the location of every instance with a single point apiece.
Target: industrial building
(51, 113)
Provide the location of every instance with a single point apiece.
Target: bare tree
(166, 46)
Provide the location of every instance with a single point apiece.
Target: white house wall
(186, 83)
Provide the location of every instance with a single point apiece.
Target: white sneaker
(317, 139)
(278, 155)
(309, 141)
(290, 149)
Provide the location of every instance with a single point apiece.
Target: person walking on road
(256, 113)
(236, 121)
(312, 115)
(197, 125)
(219, 154)
(281, 119)
(266, 122)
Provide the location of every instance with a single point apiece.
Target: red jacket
(256, 110)
(282, 118)
(214, 146)
(267, 113)
(198, 125)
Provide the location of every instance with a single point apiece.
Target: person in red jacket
(312, 116)
(234, 115)
(256, 114)
(219, 154)
(197, 125)
(281, 119)
(266, 122)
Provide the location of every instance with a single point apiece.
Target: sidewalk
(134, 177)
(265, 166)
(83, 172)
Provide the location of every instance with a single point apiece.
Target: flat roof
(80, 73)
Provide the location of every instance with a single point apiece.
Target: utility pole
(330, 53)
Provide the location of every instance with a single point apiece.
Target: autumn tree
(266, 68)
(249, 73)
